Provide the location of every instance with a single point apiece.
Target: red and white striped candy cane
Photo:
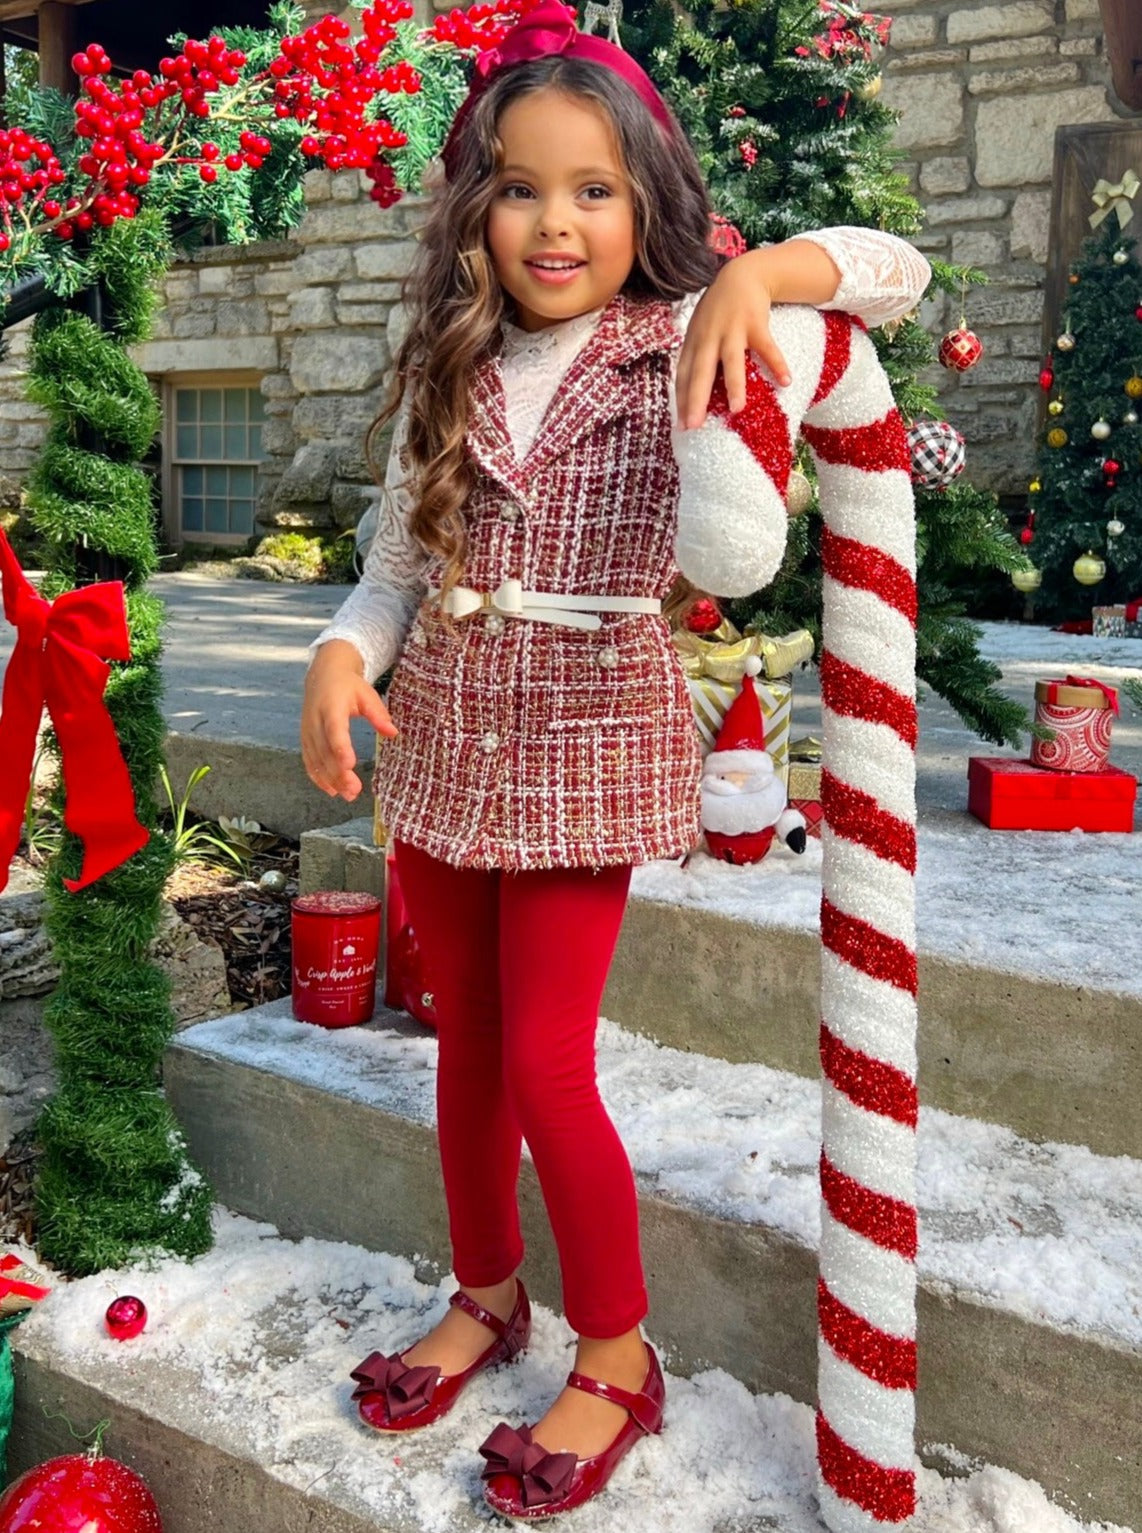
(840, 399)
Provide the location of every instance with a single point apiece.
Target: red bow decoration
(1110, 693)
(543, 1476)
(57, 661)
(406, 1389)
(549, 28)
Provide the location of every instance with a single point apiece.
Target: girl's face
(561, 231)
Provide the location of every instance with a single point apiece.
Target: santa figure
(744, 803)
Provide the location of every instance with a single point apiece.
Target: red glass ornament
(960, 349)
(703, 617)
(1047, 377)
(81, 1493)
(1138, 312)
(1025, 536)
(125, 1317)
(1111, 467)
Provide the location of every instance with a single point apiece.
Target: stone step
(1030, 1321)
(1051, 1060)
(235, 1406)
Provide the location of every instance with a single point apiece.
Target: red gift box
(813, 813)
(1011, 794)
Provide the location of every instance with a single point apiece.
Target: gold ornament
(1133, 387)
(1066, 341)
(1073, 279)
(1027, 580)
(871, 90)
(1056, 437)
(1088, 568)
(1034, 487)
(1055, 407)
(798, 494)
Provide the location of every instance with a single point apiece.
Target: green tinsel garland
(115, 1182)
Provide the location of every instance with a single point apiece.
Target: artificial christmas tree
(1084, 506)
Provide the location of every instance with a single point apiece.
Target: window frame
(177, 537)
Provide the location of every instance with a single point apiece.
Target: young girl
(541, 741)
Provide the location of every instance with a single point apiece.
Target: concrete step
(235, 1406)
(1030, 1312)
(1050, 1059)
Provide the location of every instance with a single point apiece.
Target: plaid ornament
(937, 452)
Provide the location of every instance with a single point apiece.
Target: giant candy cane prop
(728, 512)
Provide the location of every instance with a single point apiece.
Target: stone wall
(981, 89)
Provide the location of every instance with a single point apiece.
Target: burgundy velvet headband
(547, 30)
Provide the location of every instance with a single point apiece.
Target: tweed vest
(527, 745)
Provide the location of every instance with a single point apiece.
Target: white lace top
(882, 278)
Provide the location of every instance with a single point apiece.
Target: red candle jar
(335, 937)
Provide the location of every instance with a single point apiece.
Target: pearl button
(608, 657)
(490, 742)
(494, 624)
(509, 513)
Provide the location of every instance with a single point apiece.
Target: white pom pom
(753, 666)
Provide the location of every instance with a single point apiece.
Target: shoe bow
(543, 1476)
(405, 1389)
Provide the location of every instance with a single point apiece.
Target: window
(215, 448)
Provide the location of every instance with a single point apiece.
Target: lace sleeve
(376, 616)
(882, 277)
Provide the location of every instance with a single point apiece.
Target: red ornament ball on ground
(125, 1318)
(79, 1494)
(960, 350)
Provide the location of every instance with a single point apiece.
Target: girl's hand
(733, 316)
(335, 692)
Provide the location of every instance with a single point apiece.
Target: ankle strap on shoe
(643, 1409)
(461, 1300)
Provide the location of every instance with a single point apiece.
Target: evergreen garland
(115, 1181)
(790, 139)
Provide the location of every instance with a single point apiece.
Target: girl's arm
(376, 616)
(873, 275)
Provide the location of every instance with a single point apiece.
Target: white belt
(511, 600)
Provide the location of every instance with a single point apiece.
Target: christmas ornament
(1034, 487)
(744, 803)
(872, 89)
(80, 1493)
(1047, 375)
(1078, 712)
(1111, 468)
(1100, 430)
(1026, 535)
(799, 495)
(704, 616)
(726, 238)
(1138, 312)
(1130, 418)
(1066, 341)
(125, 1317)
(1055, 407)
(1056, 437)
(1115, 528)
(1120, 258)
(1114, 197)
(960, 349)
(1133, 386)
(1027, 580)
(1074, 279)
(60, 661)
(938, 453)
(1088, 568)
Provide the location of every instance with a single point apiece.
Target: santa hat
(741, 739)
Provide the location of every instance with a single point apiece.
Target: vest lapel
(489, 441)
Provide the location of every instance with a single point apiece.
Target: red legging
(517, 964)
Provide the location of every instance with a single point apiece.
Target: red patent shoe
(525, 1481)
(395, 1397)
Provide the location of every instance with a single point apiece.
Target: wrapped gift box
(1078, 712)
(805, 793)
(1012, 794)
(1123, 622)
(712, 698)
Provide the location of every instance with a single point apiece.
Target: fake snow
(1050, 1232)
(249, 1348)
(1062, 906)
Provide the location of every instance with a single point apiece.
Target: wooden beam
(57, 44)
(1122, 21)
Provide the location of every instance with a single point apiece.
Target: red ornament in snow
(703, 617)
(960, 349)
(125, 1317)
(81, 1493)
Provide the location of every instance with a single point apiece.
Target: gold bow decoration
(1114, 198)
(721, 654)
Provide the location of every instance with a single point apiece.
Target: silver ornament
(1120, 258)
(1100, 430)
(274, 880)
(1066, 341)
(1115, 529)
(1130, 418)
